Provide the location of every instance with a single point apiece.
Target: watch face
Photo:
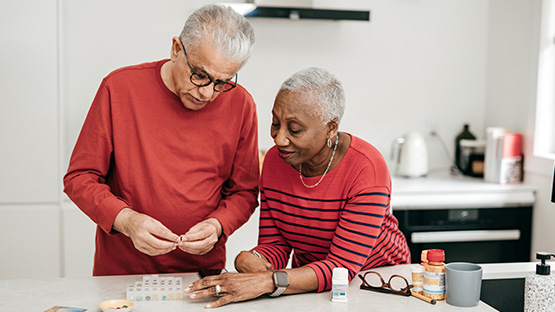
(281, 279)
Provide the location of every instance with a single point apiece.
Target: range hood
(296, 9)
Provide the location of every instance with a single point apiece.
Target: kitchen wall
(418, 65)
(512, 60)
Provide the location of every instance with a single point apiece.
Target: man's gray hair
(323, 88)
(220, 25)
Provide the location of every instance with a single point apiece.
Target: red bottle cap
(512, 145)
(436, 255)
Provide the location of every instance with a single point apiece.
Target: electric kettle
(412, 156)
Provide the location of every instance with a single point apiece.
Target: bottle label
(416, 277)
(435, 279)
(434, 282)
(339, 292)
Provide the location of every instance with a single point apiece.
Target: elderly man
(166, 163)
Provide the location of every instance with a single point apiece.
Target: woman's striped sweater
(345, 221)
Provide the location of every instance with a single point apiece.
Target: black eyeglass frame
(216, 82)
(385, 287)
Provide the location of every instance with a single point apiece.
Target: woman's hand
(233, 287)
(247, 262)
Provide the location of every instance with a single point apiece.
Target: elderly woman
(325, 197)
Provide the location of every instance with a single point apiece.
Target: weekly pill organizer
(154, 287)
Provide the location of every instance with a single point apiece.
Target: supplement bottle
(339, 285)
(434, 275)
(459, 160)
(417, 273)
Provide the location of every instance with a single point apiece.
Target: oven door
(473, 235)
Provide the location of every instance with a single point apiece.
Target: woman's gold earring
(329, 143)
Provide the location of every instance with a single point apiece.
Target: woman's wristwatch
(281, 281)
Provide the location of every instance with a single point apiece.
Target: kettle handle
(398, 142)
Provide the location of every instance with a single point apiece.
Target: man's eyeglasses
(397, 284)
(203, 80)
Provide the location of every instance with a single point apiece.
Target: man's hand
(201, 238)
(149, 236)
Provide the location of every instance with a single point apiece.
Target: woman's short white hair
(323, 88)
(220, 25)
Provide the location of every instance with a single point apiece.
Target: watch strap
(277, 292)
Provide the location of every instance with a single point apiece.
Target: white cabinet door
(30, 241)
(29, 122)
(78, 241)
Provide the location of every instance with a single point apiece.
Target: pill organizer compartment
(154, 287)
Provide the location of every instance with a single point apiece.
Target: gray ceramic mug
(463, 284)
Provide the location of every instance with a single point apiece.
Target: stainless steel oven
(479, 235)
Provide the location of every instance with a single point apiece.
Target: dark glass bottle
(553, 190)
(459, 161)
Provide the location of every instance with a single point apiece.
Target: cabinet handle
(464, 236)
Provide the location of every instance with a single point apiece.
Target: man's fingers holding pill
(148, 234)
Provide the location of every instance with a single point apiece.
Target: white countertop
(442, 190)
(510, 270)
(42, 294)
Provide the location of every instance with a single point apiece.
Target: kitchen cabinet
(30, 241)
(30, 183)
(78, 236)
(29, 121)
(470, 219)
